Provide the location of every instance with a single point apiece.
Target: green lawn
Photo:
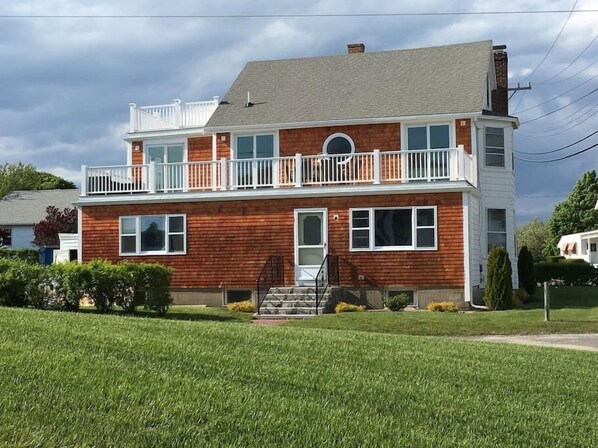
(573, 310)
(82, 379)
(182, 312)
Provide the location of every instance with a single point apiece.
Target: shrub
(554, 258)
(21, 283)
(156, 286)
(397, 302)
(525, 270)
(567, 274)
(344, 307)
(28, 255)
(70, 283)
(245, 306)
(62, 286)
(522, 296)
(499, 287)
(445, 306)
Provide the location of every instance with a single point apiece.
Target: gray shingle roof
(424, 81)
(29, 207)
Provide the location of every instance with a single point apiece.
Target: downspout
(479, 186)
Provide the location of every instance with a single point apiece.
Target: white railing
(377, 167)
(171, 116)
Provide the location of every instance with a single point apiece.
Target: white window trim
(346, 137)
(147, 144)
(401, 289)
(414, 227)
(234, 137)
(138, 251)
(504, 149)
(405, 130)
(488, 231)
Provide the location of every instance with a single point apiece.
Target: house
(369, 172)
(21, 210)
(583, 245)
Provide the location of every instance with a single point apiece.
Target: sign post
(546, 302)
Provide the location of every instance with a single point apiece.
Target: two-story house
(372, 172)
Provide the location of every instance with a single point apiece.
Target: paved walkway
(572, 341)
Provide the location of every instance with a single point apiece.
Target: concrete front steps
(297, 302)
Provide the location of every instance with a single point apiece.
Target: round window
(338, 144)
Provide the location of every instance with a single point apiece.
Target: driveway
(572, 341)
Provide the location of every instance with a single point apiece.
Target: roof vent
(356, 48)
(248, 103)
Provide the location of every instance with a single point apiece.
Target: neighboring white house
(21, 210)
(582, 245)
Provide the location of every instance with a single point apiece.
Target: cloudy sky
(65, 83)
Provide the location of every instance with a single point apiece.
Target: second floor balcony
(177, 115)
(373, 168)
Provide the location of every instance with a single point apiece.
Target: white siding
(496, 189)
(22, 236)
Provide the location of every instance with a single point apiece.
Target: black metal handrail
(272, 274)
(327, 275)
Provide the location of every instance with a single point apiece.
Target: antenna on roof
(248, 103)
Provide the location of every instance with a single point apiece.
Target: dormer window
(338, 144)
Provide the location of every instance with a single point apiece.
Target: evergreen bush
(499, 287)
(525, 270)
(397, 302)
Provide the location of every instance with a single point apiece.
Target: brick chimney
(356, 48)
(500, 98)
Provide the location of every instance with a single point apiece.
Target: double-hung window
(152, 235)
(495, 147)
(497, 228)
(405, 228)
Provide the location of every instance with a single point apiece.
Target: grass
(182, 312)
(82, 379)
(573, 310)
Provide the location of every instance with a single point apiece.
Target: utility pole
(518, 88)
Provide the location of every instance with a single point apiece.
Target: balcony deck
(177, 115)
(321, 171)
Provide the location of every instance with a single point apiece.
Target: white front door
(311, 244)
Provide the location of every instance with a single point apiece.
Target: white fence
(377, 167)
(171, 116)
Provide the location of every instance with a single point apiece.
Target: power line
(570, 64)
(554, 43)
(560, 95)
(546, 134)
(560, 108)
(571, 76)
(560, 158)
(559, 149)
(292, 16)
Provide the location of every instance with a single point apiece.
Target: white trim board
(277, 193)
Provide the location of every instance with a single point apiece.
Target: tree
(18, 176)
(532, 235)
(525, 269)
(575, 214)
(46, 232)
(498, 294)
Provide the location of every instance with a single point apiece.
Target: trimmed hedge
(28, 255)
(567, 273)
(106, 285)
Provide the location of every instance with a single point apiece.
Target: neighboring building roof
(20, 208)
(402, 83)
